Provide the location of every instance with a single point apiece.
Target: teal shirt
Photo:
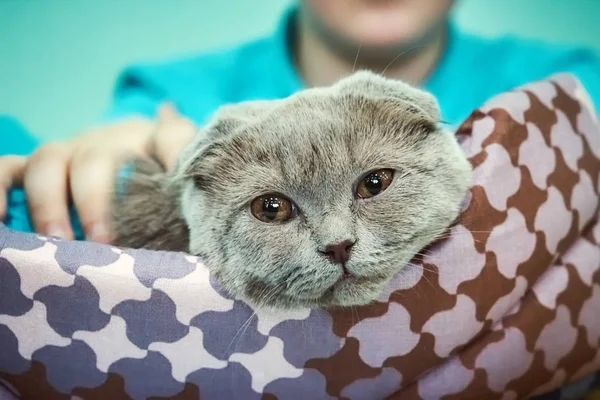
(471, 71)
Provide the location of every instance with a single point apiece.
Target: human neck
(319, 65)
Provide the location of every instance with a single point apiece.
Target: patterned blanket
(507, 306)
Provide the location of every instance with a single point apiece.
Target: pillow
(505, 306)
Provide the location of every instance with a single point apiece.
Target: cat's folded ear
(220, 132)
(375, 86)
(229, 118)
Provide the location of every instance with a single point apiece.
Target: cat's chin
(348, 292)
(353, 292)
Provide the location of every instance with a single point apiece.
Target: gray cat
(317, 200)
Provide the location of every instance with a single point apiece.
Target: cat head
(321, 198)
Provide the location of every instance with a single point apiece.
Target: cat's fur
(311, 147)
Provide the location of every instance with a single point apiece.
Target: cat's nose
(339, 253)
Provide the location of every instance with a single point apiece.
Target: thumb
(172, 134)
(167, 112)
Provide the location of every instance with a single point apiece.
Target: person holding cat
(317, 42)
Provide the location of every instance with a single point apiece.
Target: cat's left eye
(374, 183)
(273, 208)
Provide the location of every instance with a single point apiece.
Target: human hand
(84, 171)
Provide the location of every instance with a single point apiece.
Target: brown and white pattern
(506, 306)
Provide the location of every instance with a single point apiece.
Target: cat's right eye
(374, 182)
(273, 208)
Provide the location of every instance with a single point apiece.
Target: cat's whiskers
(422, 266)
(397, 57)
(400, 292)
(244, 327)
(435, 271)
(356, 58)
(465, 232)
(430, 283)
(448, 237)
(267, 290)
(355, 309)
(415, 287)
(454, 234)
(390, 63)
(271, 292)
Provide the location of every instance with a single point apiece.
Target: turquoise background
(59, 58)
